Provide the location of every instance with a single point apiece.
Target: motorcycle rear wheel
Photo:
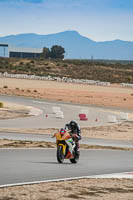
(60, 155)
(75, 159)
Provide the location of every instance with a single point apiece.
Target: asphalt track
(33, 165)
(71, 112)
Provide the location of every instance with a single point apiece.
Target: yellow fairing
(58, 136)
(63, 147)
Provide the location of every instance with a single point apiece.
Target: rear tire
(76, 158)
(60, 155)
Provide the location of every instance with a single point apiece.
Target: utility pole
(92, 58)
(4, 52)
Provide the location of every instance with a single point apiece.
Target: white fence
(129, 85)
(63, 79)
(49, 78)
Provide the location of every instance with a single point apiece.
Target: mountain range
(75, 45)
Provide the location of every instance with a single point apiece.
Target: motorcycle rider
(75, 132)
(74, 129)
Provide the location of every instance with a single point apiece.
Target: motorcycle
(63, 148)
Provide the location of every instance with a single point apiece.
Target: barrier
(124, 116)
(112, 119)
(83, 117)
(56, 109)
(63, 79)
(59, 114)
(49, 78)
(130, 85)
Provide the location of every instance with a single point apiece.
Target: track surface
(28, 165)
(71, 112)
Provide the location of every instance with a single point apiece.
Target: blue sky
(100, 20)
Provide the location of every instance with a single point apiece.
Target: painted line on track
(124, 175)
(41, 148)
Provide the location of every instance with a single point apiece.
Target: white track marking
(127, 175)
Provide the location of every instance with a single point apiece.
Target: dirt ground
(123, 131)
(93, 189)
(97, 189)
(11, 110)
(113, 96)
(5, 143)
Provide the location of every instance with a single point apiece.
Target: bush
(32, 61)
(1, 105)
(5, 86)
(65, 65)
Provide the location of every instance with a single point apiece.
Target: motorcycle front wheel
(60, 155)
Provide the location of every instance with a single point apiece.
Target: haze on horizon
(99, 20)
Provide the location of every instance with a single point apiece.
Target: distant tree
(46, 52)
(57, 52)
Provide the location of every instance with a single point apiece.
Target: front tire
(60, 155)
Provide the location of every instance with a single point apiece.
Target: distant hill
(76, 45)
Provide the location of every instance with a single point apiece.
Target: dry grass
(114, 72)
(5, 143)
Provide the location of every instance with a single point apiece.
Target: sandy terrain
(5, 143)
(94, 189)
(11, 110)
(114, 96)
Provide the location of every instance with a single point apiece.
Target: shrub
(32, 61)
(65, 65)
(1, 105)
(5, 86)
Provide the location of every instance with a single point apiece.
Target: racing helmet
(73, 125)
